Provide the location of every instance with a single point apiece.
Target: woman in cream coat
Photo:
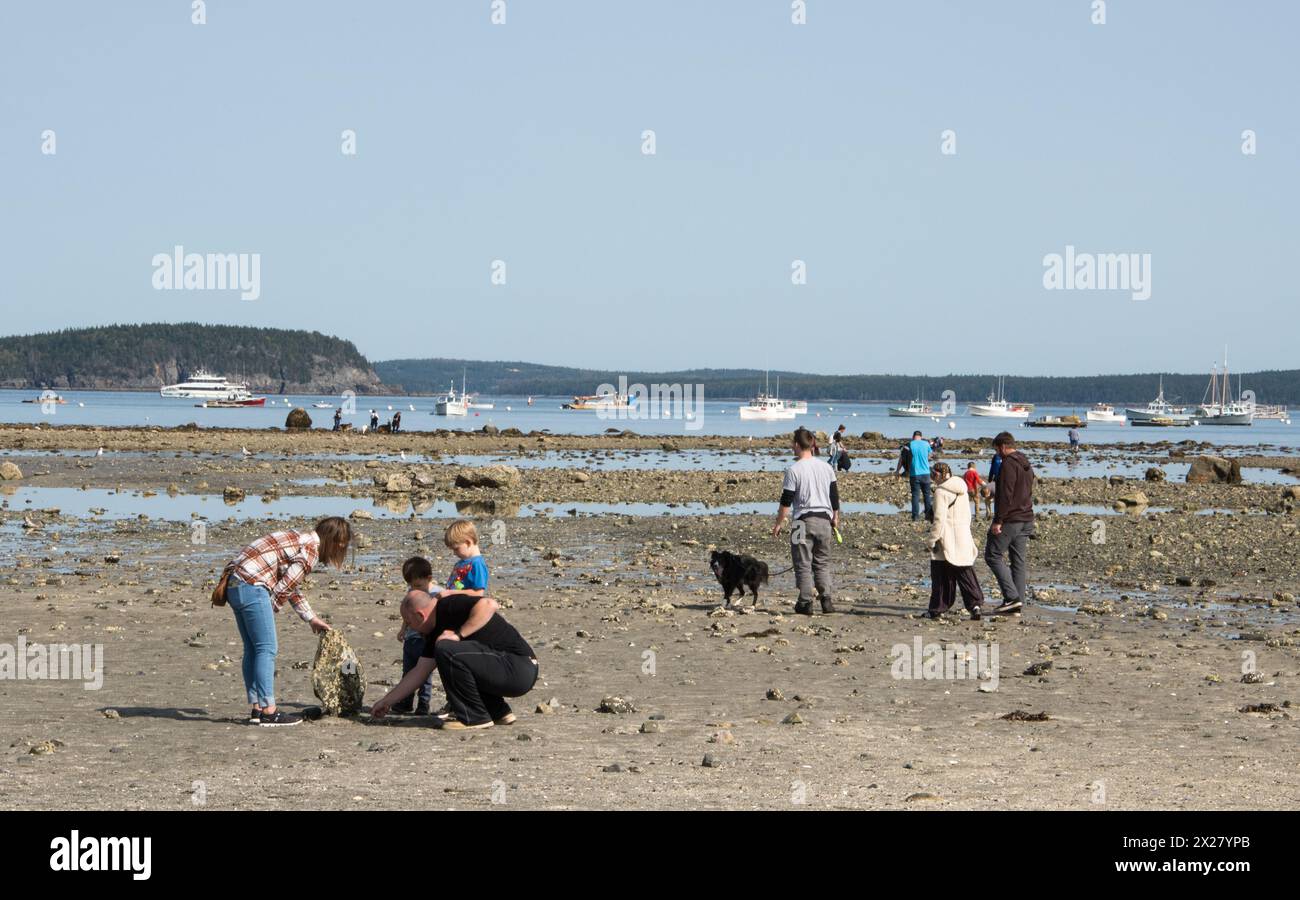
(952, 549)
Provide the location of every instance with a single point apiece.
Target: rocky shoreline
(1162, 648)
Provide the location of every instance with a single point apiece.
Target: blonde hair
(459, 532)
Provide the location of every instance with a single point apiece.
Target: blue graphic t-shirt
(469, 575)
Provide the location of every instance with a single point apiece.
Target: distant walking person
(952, 549)
(810, 495)
(1013, 523)
(1074, 439)
(374, 421)
(918, 476)
(975, 489)
(396, 425)
(338, 418)
(837, 447)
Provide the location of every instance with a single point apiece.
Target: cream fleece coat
(952, 524)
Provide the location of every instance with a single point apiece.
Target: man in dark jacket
(1013, 523)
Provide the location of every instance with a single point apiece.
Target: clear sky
(774, 142)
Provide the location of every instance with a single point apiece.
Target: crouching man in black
(480, 658)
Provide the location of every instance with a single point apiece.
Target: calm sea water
(129, 408)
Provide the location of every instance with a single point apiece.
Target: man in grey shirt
(809, 490)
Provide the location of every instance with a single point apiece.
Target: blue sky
(774, 142)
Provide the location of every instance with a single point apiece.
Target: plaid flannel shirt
(279, 562)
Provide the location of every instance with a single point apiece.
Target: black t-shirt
(452, 611)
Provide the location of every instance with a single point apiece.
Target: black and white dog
(737, 571)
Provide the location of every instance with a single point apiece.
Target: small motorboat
(232, 404)
(1104, 412)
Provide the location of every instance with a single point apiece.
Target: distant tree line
(510, 378)
(134, 355)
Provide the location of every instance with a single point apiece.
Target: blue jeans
(412, 650)
(921, 486)
(251, 604)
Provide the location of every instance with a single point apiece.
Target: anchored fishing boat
(997, 406)
(608, 401)
(918, 408)
(1158, 408)
(451, 403)
(1104, 412)
(769, 408)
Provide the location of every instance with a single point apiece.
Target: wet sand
(1146, 631)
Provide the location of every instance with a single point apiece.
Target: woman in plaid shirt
(259, 581)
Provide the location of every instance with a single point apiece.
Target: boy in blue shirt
(470, 574)
(918, 476)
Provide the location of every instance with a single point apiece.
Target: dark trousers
(945, 579)
(810, 553)
(477, 679)
(921, 486)
(412, 650)
(1013, 542)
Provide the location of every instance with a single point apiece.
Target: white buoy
(507, 409)
(952, 424)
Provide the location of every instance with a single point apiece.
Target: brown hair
(416, 567)
(942, 471)
(459, 532)
(1004, 439)
(335, 535)
(803, 439)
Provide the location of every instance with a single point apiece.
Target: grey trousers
(1013, 542)
(810, 551)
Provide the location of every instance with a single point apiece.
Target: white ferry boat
(203, 385)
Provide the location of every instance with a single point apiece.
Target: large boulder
(297, 418)
(873, 437)
(1214, 470)
(10, 472)
(1154, 474)
(1131, 500)
(497, 477)
(398, 483)
(336, 676)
